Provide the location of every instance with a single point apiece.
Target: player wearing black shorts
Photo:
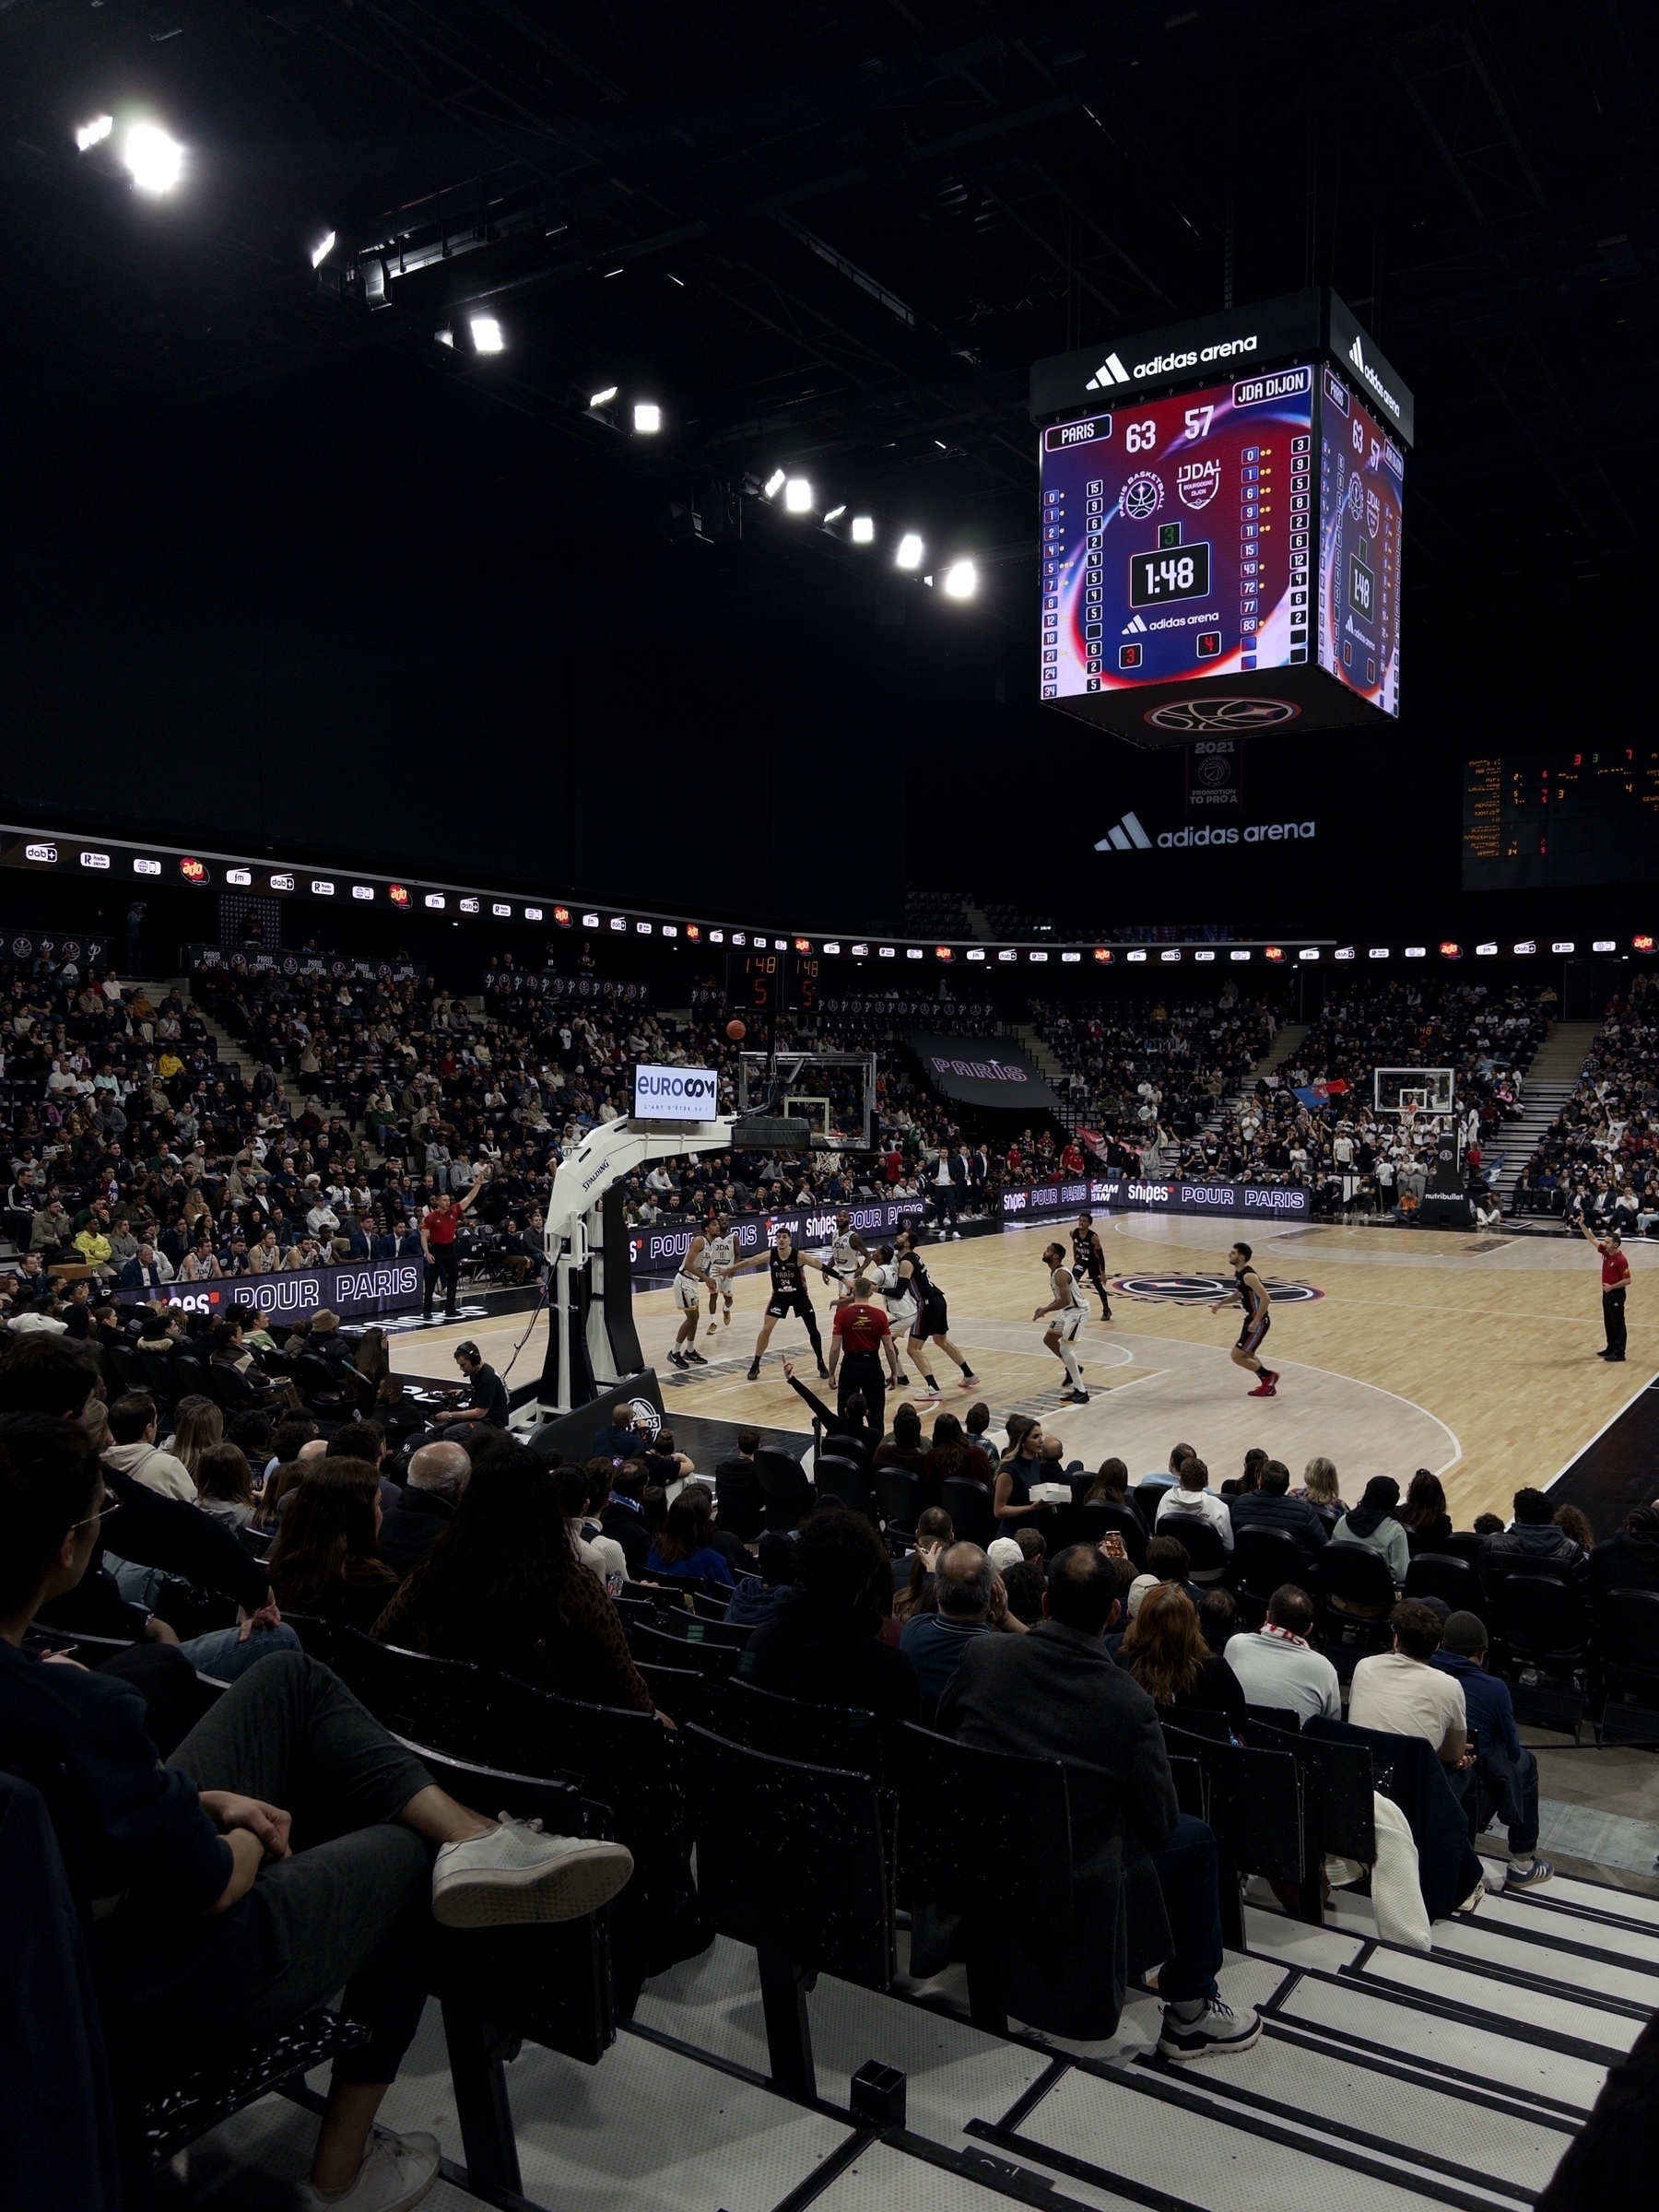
(788, 1296)
(1253, 1296)
(932, 1320)
(1088, 1261)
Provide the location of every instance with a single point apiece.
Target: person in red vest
(438, 1246)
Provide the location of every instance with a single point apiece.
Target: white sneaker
(1215, 2030)
(396, 2172)
(515, 1874)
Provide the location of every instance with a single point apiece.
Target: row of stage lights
(48, 852)
(155, 161)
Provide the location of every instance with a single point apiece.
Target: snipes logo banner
(674, 1094)
(1260, 1201)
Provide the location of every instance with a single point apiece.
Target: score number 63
(1142, 437)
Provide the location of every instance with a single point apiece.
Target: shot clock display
(1246, 532)
(773, 983)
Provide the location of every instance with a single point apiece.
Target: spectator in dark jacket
(1629, 1560)
(824, 1643)
(1507, 1773)
(1270, 1506)
(1532, 1545)
(757, 1596)
(426, 1505)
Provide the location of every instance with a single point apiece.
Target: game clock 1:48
(772, 982)
(1172, 572)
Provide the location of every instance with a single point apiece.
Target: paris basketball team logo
(1202, 1289)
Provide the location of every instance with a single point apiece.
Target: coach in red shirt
(861, 1334)
(1615, 1275)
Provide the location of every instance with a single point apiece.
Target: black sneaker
(753, 1372)
(1216, 2028)
(695, 1359)
(1073, 1397)
(677, 1360)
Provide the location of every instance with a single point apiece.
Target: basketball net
(1408, 1115)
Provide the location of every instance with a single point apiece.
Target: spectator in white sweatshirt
(1192, 1500)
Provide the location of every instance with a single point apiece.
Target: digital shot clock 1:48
(1172, 572)
(773, 983)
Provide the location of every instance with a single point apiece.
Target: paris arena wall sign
(1258, 1201)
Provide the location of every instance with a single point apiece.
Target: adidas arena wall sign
(1129, 835)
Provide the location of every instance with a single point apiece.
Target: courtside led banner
(366, 1290)
(1260, 1201)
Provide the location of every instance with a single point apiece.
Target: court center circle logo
(1204, 1289)
(1222, 717)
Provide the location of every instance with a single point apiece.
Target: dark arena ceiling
(834, 238)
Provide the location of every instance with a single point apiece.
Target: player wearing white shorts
(848, 1258)
(689, 1287)
(720, 1250)
(1065, 1313)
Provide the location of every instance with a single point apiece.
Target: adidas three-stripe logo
(1125, 836)
(1110, 371)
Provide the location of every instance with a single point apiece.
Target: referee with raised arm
(1616, 1277)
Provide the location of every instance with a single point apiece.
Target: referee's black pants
(1613, 1321)
(861, 1372)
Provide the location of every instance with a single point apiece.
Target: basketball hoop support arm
(573, 1238)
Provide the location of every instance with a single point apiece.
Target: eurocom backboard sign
(676, 1094)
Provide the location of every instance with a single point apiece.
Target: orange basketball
(736, 1032)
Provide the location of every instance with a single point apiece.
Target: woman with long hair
(1110, 1487)
(1573, 1521)
(1322, 1489)
(224, 1485)
(198, 1425)
(502, 1587)
(1424, 1516)
(1164, 1649)
(952, 1455)
(1020, 1466)
(682, 1546)
(1242, 1485)
(934, 1534)
(325, 1561)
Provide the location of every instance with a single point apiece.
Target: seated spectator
(1026, 1584)
(903, 1448)
(1532, 1545)
(622, 1516)
(1164, 1649)
(486, 1398)
(1487, 1525)
(1244, 1485)
(1575, 1523)
(1278, 1666)
(1137, 1861)
(621, 1439)
(970, 1600)
(664, 1464)
(1401, 1694)
(602, 1555)
(325, 1560)
(976, 1428)
(1321, 1487)
(849, 1432)
(1110, 1487)
(198, 1425)
(740, 1500)
(1169, 1477)
(323, 1337)
(1217, 1615)
(225, 1485)
(227, 1924)
(426, 1505)
(367, 1441)
(824, 1643)
(757, 1596)
(951, 1457)
(1507, 1775)
(1629, 1560)
(1424, 1516)
(1004, 1553)
(1373, 1522)
(1190, 1499)
(135, 1451)
(503, 1586)
(934, 1534)
(683, 1548)
(1022, 1465)
(1270, 1506)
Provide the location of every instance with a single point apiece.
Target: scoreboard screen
(1251, 526)
(1577, 817)
(773, 983)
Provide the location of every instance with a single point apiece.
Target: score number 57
(1142, 437)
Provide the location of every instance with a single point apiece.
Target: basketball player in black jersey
(932, 1320)
(788, 1296)
(1253, 1295)
(1088, 1261)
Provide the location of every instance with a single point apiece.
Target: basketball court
(1472, 1355)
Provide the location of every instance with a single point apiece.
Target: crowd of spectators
(1597, 1163)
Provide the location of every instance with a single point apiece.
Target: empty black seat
(679, 1692)
(1354, 1605)
(969, 1505)
(716, 1663)
(842, 1479)
(1264, 1560)
(1207, 1555)
(1255, 1801)
(1101, 1518)
(438, 1701)
(821, 1735)
(1339, 1814)
(1443, 1575)
(788, 1494)
(1627, 1639)
(898, 1497)
(792, 1861)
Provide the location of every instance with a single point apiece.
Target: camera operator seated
(486, 1401)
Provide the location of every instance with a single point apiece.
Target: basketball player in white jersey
(721, 1252)
(689, 1287)
(848, 1258)
(1065, 1313)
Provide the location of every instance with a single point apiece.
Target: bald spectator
(438, 1474)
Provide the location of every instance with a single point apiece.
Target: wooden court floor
(1471, 1355)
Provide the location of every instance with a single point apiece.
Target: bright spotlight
(94, 133)
(603, 399)
(155, 159)
(863, 530)
(910, 550)
(322, 250)
(962, 580)
(797, 495)
(835, 514)
(486, 334)
(647, 419)
(775, 484)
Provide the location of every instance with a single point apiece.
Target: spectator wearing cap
(1506, 1771)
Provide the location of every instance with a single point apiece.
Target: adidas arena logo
(1110, 371)
(1357, 354)
(1134, 627)
(1126, 836)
